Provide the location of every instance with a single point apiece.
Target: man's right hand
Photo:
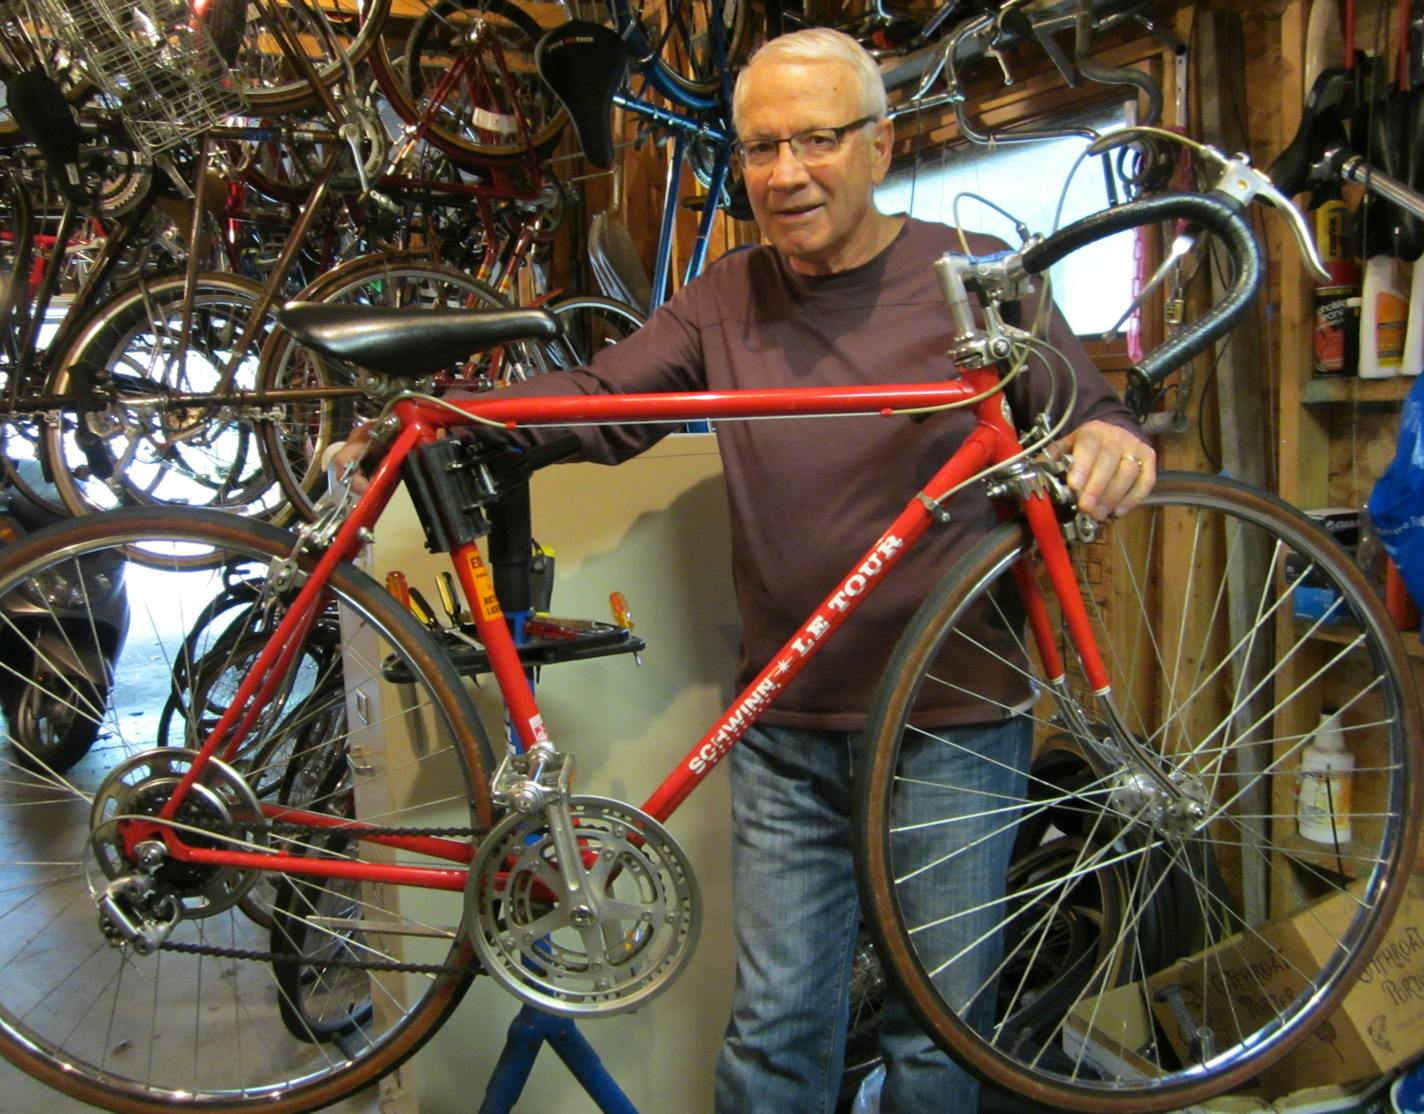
(341, 455)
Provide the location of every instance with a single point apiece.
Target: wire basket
(153, 59)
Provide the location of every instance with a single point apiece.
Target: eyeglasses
(809, 148)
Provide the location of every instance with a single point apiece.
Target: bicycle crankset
(596, 936)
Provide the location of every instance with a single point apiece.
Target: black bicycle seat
(584, 63)
(411, 341)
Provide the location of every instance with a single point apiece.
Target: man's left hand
(1112, 470)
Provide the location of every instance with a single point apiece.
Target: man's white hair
(820, 44)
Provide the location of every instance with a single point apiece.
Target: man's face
(821, 218)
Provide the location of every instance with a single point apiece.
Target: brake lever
(1243, 183)
(1237, 181)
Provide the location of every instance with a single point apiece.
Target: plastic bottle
(1326, 784)
(1413, 362)
(1384, 310)
(1337, 303)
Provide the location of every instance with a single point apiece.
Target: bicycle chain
(342, 964)
(296, 827)
(292, 827)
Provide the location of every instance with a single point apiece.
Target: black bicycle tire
(565, 352)
(706, 85)
(1399, 809)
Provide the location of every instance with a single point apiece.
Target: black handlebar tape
(1216, 215)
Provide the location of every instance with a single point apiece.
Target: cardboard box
(1111, 1032)
(1378, 1026)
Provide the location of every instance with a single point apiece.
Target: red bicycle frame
(992, 442)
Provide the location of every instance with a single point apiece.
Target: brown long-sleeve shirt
(808, 497)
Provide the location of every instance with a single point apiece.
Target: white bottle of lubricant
(1326, 784)
(1383, 311)
(1414, 332)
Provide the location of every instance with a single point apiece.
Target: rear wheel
(1177, 830)
(200, 1018)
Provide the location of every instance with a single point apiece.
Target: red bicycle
(324, 852)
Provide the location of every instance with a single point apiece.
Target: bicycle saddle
(584, 64)
(409, 342)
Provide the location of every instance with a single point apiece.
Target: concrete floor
(145, 677)
(19, 1094)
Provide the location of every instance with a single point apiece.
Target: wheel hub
(1177, 812)
(215, 813)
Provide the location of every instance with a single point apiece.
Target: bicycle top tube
(681, 406)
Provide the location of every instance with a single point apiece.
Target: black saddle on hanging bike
(584, 63)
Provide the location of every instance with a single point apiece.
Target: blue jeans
(796, 915)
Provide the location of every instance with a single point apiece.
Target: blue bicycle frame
(703, 118)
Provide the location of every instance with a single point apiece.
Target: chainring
(609, 943)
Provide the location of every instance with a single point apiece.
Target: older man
(842, 293)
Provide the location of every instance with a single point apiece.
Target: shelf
(1322, 856)
(1350, 389)
(1346, 632)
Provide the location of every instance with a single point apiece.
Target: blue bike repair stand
(529, 1032)
(532, 1029)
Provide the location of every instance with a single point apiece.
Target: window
(1093, 286)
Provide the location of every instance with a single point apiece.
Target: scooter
(59, 639)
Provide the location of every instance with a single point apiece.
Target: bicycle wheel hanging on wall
(247, 32)
(133, 444)
(298, 433)
(677, 35)
(1220, 674)
(467, 76)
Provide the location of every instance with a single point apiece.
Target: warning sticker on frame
(485, 599)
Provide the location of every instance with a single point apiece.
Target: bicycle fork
(1140, 782)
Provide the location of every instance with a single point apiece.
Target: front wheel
(51, 720)
(1229, 623)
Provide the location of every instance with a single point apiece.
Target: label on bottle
(1391, 319)
(1332, 228)
(1337, 330)
(1323, 808)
